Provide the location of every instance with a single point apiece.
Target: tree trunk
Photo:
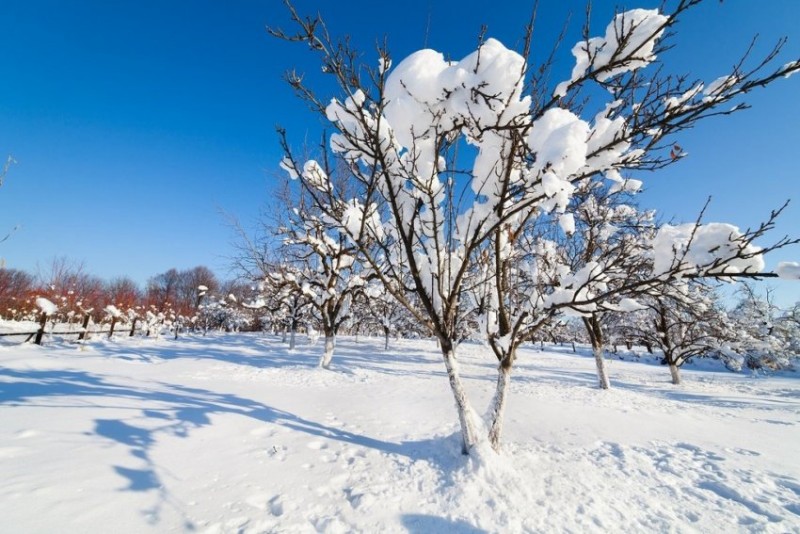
(675, 371)
(595, 331)
(85, 328)
(292, 336)
(327, 356)
(111, 329)
(600, 362)
(499, 405)
(468, 434)
(133, 327)
(386, 333)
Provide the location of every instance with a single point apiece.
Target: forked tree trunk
(499, 405)
(468, 431)
(327, 356)
(675, 371)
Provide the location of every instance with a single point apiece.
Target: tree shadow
(424, 524)
(175, 410)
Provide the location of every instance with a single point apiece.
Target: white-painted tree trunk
(292, 338)
(463, 407)
(499, 406)
(327, 356)
(600, 362)
(675, 371)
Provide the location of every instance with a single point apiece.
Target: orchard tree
(74, 291)
(328, 272)
(765, 338)
(686, 322)
(606, 229)
(124, 293)
(432, 219)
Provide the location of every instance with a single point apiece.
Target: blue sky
(134, 123)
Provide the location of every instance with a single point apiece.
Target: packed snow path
(236, 434)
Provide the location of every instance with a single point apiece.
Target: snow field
(237, 434)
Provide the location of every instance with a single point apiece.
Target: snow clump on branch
(716, 248)
(639, 29)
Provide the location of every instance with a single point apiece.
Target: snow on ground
(234, 433)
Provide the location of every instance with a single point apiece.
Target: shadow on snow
(174, 410)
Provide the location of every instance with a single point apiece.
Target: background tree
(16, 293)
(764, 338)
(686, 322)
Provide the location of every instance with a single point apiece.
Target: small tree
(764, 337)
(686, 322)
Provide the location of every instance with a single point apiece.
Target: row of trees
(487, 202)
(173, 297)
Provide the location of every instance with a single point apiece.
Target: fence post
(40, 333)
(113, 324)
(133, 327)
(85, 328)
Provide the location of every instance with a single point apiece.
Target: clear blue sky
(135, 122)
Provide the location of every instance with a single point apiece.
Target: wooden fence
(83, 333)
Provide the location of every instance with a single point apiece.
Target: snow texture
(234, 434)
(633, 33)
(698, 247)
(113, 311)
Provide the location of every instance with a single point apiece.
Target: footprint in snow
(317, 445)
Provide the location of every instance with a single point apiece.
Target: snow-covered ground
(236, 434)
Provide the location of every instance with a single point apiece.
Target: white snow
(46, 306)
(235, 434)
(631, 34)
(717, 245)
(113, 311)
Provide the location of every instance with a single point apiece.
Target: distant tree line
(186, 298)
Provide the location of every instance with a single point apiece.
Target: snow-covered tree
(686, 322)
(765, 338)
(329, 274)
(452, 162)
(607, 230)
